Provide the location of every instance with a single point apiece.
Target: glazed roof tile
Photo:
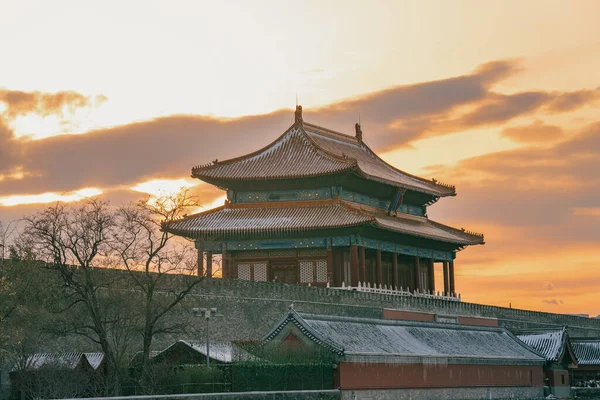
(587, 351)
(549, 344)
(307, 150)
(369, 164)
(272, 218)
(292, 155)
(362, 337)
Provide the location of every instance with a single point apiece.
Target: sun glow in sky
(137, 93)
(49, 197)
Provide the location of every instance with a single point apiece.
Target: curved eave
(466, 242)
(295, 218)
(435, 188)
(219, 234)
(434, 193)
(219, 180)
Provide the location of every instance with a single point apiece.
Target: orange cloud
(537, 132)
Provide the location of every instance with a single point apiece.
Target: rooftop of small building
(67, 360)
(409, 341)
(587, 350)
(552, 344)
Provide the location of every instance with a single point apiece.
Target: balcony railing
(384, 289)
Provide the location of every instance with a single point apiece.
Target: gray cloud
(553, 302)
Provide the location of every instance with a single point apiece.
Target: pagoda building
(320, 207)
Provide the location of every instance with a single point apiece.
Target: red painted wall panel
(407, 315)
(364, 376)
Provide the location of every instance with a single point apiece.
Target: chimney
(359, 135)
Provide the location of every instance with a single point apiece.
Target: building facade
(399, 359)
(320, 207)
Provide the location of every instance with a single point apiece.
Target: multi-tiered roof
(365, 192)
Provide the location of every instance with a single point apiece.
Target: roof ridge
(399, 322)
(332, 133)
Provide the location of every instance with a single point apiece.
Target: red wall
(408, 315)
(365, 376)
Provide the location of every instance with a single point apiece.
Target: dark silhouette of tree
(161, 266)
(74, 241)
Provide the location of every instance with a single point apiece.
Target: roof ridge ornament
(359, 134)
(298, 115)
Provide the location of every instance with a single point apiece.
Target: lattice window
(312, 252)
(244, 271)
(283, 253)
(260, 272)
(306, 271)
(321, 271)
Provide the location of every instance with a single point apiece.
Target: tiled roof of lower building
(292, 217)
(362, 338)
(549, 344)
(587, 351)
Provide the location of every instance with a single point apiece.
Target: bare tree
(73, 240)
(6, 232)
(161, 266)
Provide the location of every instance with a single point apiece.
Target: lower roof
(587, 351)
(552, 344)
(302, 216)
(409, 341)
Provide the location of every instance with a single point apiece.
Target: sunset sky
(501, 99)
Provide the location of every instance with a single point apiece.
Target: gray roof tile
(587, 351)
(361, 337)
(550, 344)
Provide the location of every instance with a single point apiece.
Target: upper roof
(301, 216)
(360, 338)
(553, 345)
(587, 351)
(306, 150)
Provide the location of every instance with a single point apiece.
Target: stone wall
(250, 309)
(289, 395)
(446, 393)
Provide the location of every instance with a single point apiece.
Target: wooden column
(209, 264)
(354, 265)
(330, 266)
(394, 270)
(362, 269)
(431, 271)
(451, 273)
(446, 279)
(200, 263)
(379, 268)
(225, 267)
(418, 283)
(337, 269)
